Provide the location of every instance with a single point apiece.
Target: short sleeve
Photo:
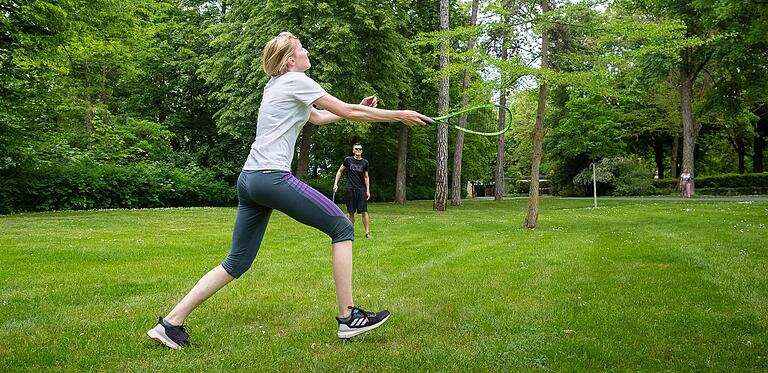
(365, 166)
(345, 162)
(307, 90)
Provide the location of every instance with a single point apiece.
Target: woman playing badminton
(266, 184)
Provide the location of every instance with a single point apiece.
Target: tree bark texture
(690, 130)
(757, 159)
(760, 134)
(532, 217)
(441, 174)
(306, 143)
(458, 151)
(675, 149)
(88, 103)
(402, 159)
(658, 152)
(498, 190)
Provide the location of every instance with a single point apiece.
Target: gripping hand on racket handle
(412, 118)
(409, 117)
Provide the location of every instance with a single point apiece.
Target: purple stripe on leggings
(329, 207)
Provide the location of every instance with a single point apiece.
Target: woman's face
(299, 61)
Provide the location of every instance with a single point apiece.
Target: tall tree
(498, 190)
(532, 216)
(456, 186)
(441, 174)
(702, 40)
(355, 49)
(402, 159)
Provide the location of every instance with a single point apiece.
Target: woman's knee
(343, 230)
(237, 265)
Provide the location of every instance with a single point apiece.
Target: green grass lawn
(630, 286)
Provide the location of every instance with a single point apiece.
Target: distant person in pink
(686, 181)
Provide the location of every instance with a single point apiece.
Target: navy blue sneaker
(173, 336)
(360, 321)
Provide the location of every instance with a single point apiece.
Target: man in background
(358, 187)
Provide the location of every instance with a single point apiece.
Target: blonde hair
(276, 53)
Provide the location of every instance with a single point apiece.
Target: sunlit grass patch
(631, 285)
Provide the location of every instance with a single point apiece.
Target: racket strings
(485, 120)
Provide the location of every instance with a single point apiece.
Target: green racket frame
(452, 120)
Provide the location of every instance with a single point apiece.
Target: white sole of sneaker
(161, 337)
(347, 334)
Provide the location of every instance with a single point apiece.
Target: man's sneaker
(172, 336)
(360, 321)
(368, 234)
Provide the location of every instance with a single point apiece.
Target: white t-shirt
(285, 108)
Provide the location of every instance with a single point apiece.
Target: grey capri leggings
(260, 192)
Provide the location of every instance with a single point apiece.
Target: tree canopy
(664, 83)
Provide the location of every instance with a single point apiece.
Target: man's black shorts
(356, 200)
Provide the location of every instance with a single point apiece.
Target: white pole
(594, 183)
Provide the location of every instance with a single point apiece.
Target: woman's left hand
(371, 101)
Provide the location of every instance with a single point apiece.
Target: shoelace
(362, 311)
(184, 330)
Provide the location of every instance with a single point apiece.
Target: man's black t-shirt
(356, 172)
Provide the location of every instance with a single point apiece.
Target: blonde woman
(266, 184)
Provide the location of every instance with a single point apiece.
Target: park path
(697, 199)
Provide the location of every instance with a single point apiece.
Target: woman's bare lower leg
(208, 285)
(341, 257)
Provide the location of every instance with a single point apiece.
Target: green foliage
(119, 82)
(524, 186)
(618, 176)
(733, 180)
(724, 184)
(588, 128)
(131, 142)
(88, 185)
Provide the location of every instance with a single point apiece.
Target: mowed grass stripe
(632, 285)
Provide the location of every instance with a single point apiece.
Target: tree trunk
(532, 217)
(675, 150)
(742, 151)
(441, 174)
(89, 114)
(658, 150)
(88, 102)
(402, 158)
(760, 134)
(690, 130)
(757, 161)
(306, 142)
(498, 189)
(458, 151)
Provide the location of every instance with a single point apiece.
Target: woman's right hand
(412, 118)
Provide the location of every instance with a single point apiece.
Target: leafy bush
(524, 186)
(379, 192)
(419, 192)
(724, 184)
(622, 176)
(732, 191)
(89, 185)
(733, 180)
